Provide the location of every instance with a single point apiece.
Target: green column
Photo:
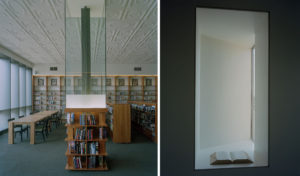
(86, 50)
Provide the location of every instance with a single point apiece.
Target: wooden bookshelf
(119, 122)
(144, 118)
(115, 93)
(100, 142)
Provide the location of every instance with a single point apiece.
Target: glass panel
(83, 64)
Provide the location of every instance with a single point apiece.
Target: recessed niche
(231, 103)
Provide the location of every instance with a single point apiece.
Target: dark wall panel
(177, 86)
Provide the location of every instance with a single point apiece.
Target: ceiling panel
(35, 30)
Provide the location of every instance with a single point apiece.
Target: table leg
(10, 133)
(32, 133)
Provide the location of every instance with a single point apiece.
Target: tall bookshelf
(86, 138)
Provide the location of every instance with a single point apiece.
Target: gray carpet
(48, 158)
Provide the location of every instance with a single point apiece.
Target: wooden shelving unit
(144, 118)
(135, 88)
(119, 122)
(100, 142)
(144, 90)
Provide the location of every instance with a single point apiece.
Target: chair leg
(43, 136)
(21, 136)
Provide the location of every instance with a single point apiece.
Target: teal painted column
(86, 50)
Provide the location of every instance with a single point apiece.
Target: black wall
(177, 86)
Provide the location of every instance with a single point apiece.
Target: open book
(223, 157)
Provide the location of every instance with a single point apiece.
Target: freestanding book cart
(86, 138)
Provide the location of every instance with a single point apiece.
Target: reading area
(231, 103)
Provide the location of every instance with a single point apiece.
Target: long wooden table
(29, 120)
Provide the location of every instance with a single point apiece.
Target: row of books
(70, 118)
(90, 134)
(77, 162)
(102, 133)
(96, 161)
(82, 119)
(93, 162)
(80, 134)
(143, 108)
(91, 119)
(84, 147)
(87, 119)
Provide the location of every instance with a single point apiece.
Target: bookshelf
(136, 88)
(110, 89)
(133, 88)
(40, 93)
(122, 89)
(86, 139)
(144, 118)
(53, 93)
(119, 122)
(149, 89)
(48, 93)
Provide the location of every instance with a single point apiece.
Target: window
(15, 91)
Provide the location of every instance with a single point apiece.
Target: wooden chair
(54, 120)
(24, 127)
(17, 129)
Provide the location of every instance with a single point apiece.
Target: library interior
(79, 87)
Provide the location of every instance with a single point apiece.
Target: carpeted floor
(48, 158)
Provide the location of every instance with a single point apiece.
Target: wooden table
(30, 120)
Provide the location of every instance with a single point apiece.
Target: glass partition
(85, 47)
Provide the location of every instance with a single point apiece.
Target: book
(222, 157)
(70, 118)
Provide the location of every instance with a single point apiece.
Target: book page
(239, 155)
(222, 155)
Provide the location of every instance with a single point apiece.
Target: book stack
(91, 120)
(82, 148)
(80, 134)
(92, 162)
(82, 119)
(70, 118)
(72, 148)
(90, 134)
(77, 147)
(102, 133)
(101, 161)
(93, 148)
(77, 162)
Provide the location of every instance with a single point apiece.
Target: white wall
(111, 69)
(261, 89)
(225, 91)
(123, 69)
(44, 69)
